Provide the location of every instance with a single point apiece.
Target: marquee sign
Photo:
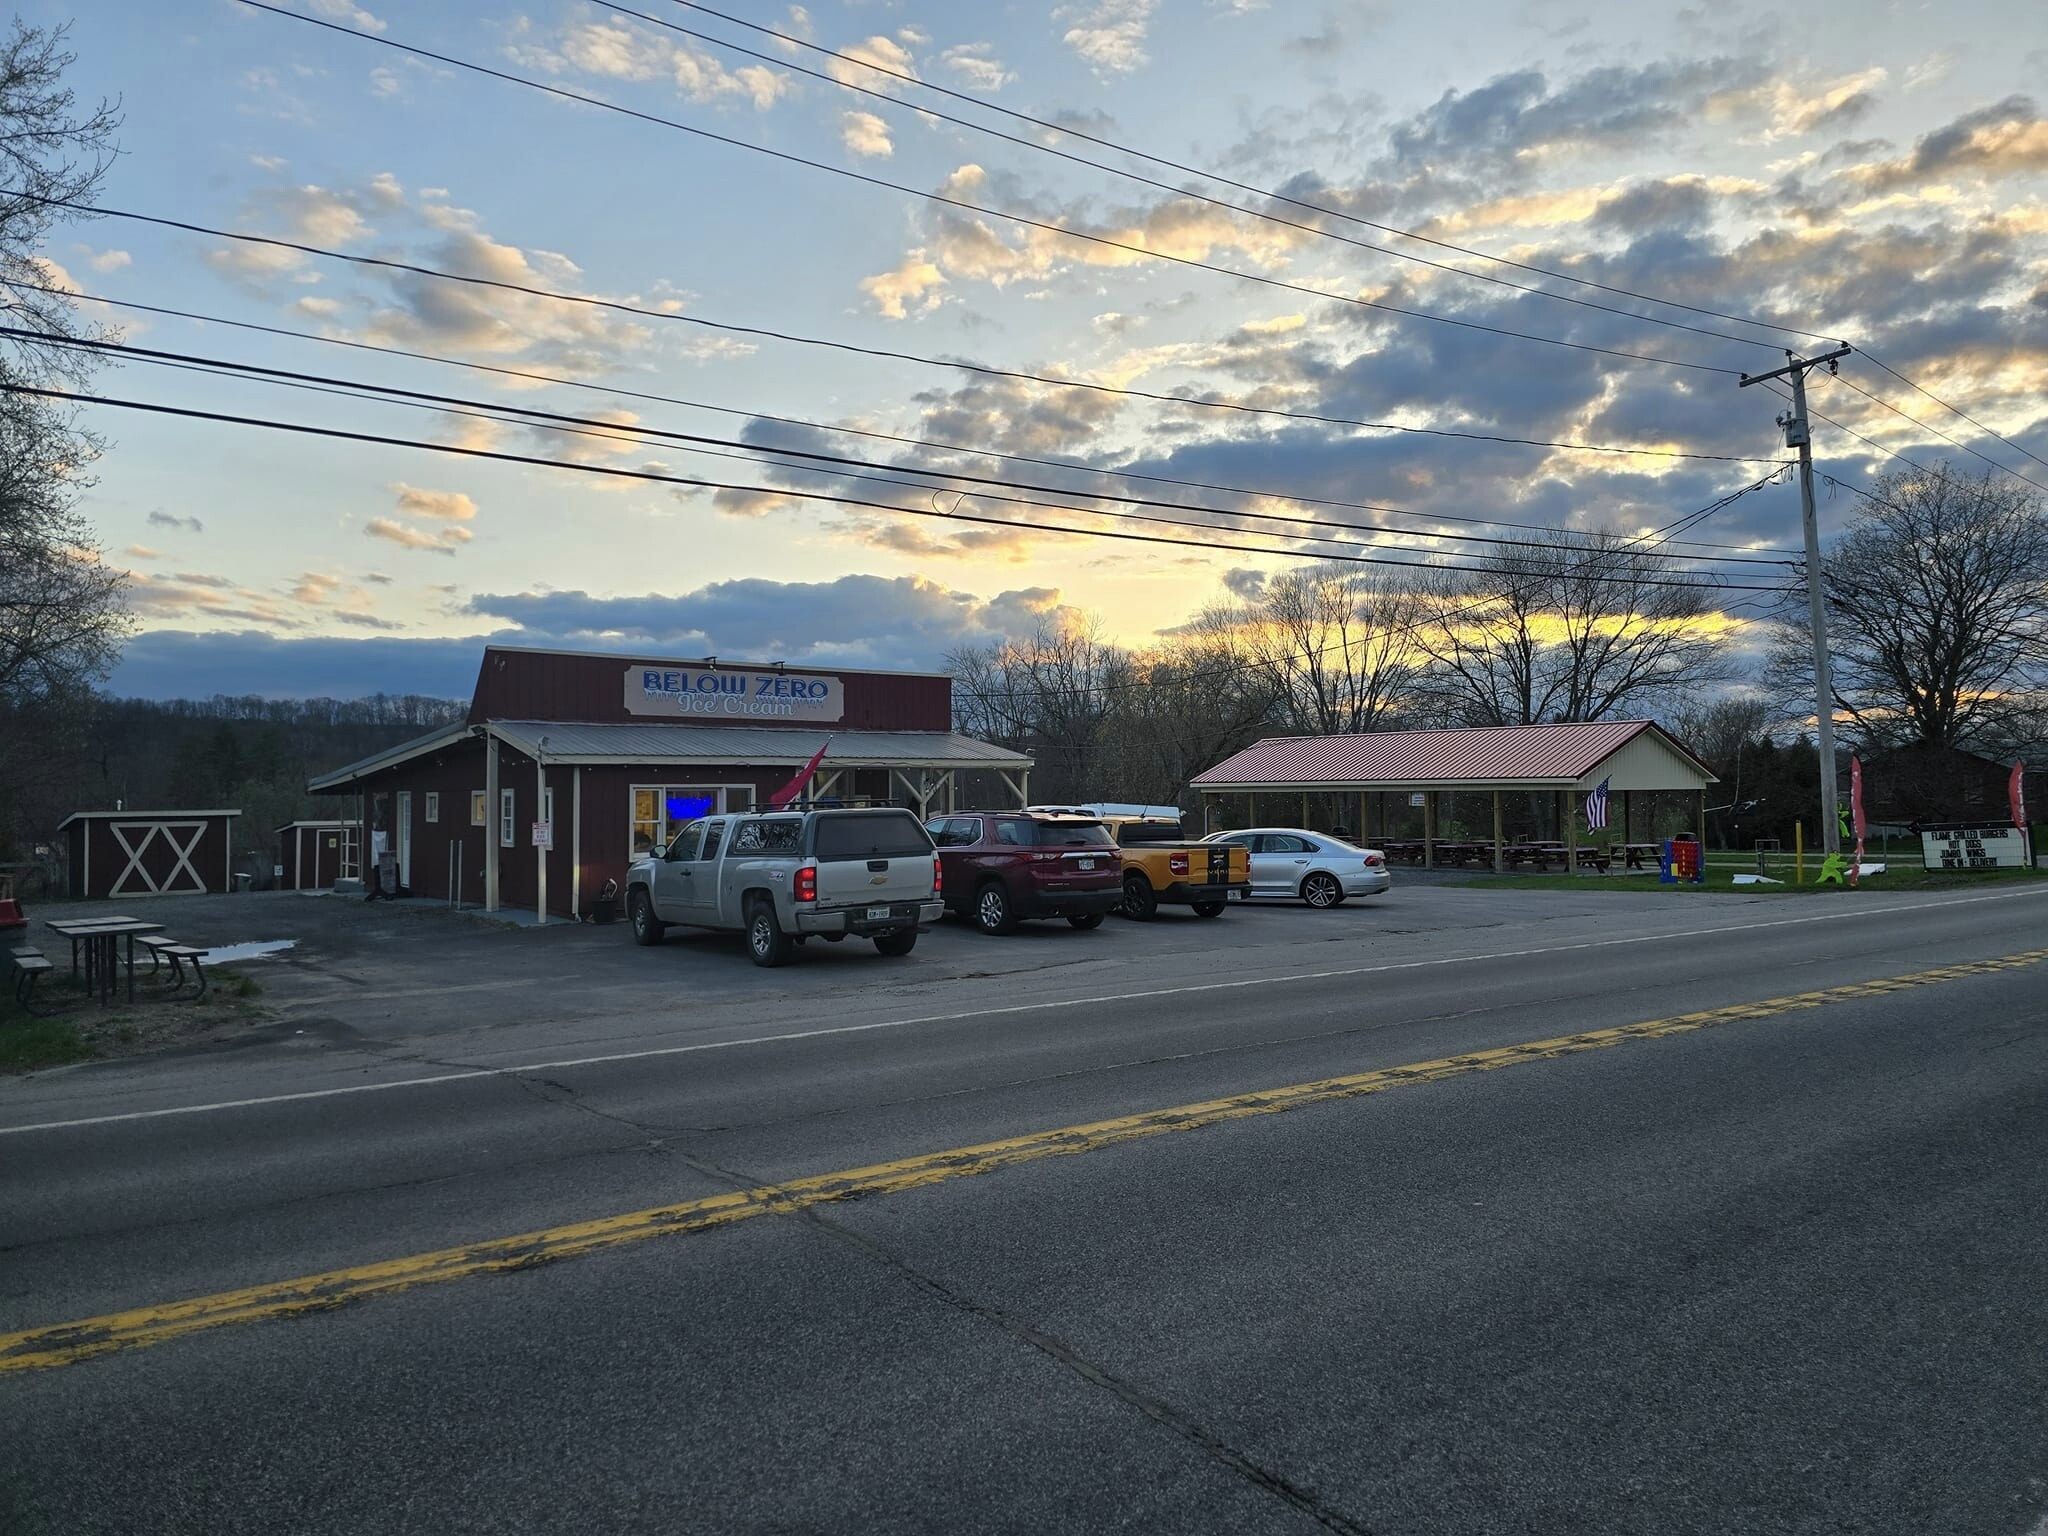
(1973, 847)
(719, 693)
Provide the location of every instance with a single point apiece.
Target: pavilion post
(1702, 819)
(1428, 830)
(1571, 833)
(1499, 857)
(1364, 808)
(1628, 822)
(1304, 810)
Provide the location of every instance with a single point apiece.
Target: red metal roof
(1489, 756)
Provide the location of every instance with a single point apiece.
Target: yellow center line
(66, 1343)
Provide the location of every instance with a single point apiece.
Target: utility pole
(1799, 434)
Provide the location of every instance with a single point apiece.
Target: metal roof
(1492, 757)
(749, 746)
(136, 816)
(390, 757)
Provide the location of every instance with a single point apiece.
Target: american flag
(1596, 808)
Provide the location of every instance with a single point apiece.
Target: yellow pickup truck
(1161, 865)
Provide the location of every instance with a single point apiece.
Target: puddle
(228, 954)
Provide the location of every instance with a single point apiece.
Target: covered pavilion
(1564, 762)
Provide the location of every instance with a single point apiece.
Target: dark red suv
(1003, 866)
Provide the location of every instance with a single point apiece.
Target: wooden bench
(30, 965)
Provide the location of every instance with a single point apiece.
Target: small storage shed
(312, 855)
(148, 853)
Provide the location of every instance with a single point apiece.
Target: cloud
(976, 66)
(900, 621)
(2007, 138)
(866, 134)
(407, 537)
(886, 55)
(912, 282)
(142, 552)
(162, 519)
(347, 11)
(614, 50)
(173, 663)
(453, 506)
(104, 261)
(1108, 34)
(1244, 583)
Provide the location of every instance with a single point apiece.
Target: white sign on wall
(543, 834)
(700, 693)
(1973, 847)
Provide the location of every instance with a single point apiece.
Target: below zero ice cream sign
(700, 693)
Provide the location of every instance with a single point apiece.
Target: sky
(1869, 172)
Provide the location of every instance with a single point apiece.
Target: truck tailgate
(849, 882)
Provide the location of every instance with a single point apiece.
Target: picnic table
(1637, 853)
(97, 936)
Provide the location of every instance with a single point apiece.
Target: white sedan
(1309, 866)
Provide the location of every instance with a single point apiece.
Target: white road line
(791, 1036)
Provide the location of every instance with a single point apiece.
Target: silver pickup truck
(782, 877)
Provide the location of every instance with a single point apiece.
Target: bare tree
(1335, 647)
(1937, 609)
(62, 617)
(1052, 695)
(1581, 629)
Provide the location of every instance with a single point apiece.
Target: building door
(403, 838)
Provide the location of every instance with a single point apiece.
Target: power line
(659, 477)
(644, 312)
(1937, 432)
(1973, 421)
(1433, 621)
(1069, 131)
(945, 200)
(840, 464)
(1129, 175)
(619, 391)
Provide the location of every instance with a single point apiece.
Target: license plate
(1235, 896)
(876, 914)
(1087, 863)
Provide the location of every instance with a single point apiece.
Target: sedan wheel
(1321, 890)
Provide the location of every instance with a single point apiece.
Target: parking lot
(415, 979)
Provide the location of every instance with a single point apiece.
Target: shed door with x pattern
(159, 857)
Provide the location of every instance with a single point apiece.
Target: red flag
(1856, 814)
(2016, 791)
(795, 786)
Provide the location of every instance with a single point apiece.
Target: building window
(433, 805)
(661, 810)
(479, 812)
(508, 820)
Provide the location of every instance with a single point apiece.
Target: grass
(1721, 877)
(26, 1042)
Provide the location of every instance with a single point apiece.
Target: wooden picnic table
(98, 934)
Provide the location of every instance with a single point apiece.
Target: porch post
(491, 821)
(540, 855)
(576, 842)
(1499, 858)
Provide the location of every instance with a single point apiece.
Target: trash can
(243, 881)
(606, 908)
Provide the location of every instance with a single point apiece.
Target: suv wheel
(898, 944)
(766, 941)
(1139, 900)
(1322, 890)
(992, 912)
(647, 928)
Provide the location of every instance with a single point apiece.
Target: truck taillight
(1374, 861)
(938, 874)
(807, 882)
(1177, 863)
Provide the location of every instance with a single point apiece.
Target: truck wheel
(1321, 890)
(1087, 922)
(898, 944)
(992, 912)
(1139, 900)
(766, 941)
(647, 928)
(1209, 908)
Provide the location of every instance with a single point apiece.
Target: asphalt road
(1779, 1263)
